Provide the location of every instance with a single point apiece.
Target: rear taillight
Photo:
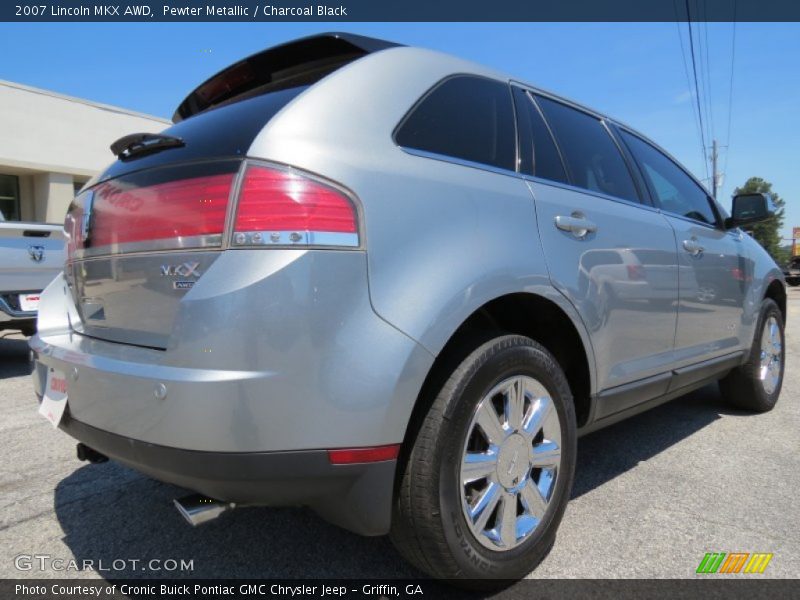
(186, 210)
(282, 207)
(636, 273)
(166, 210)
(738, 274)
(119, 216)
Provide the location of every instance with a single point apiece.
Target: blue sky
(633, 72)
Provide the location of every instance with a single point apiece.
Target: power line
(688, 78)
(696, 85)
(707, 86)
(684, 62)
(730, 93)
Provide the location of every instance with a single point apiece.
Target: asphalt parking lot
(652, 495)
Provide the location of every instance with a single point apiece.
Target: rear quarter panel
(442, 239)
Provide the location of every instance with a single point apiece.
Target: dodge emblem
(36, 253)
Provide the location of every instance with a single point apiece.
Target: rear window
(465, 117)
(296, 63)
(593, 159)
(538, 154)
(223, 132)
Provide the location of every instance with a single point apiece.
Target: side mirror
(747, 209)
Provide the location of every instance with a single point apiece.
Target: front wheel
(756, 384)
(490, 471)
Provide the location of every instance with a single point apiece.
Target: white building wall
(51, 142)
(48, 132)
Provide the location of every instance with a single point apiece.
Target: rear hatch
(146, 230)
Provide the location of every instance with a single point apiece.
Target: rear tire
(433, 526)
(756, 384)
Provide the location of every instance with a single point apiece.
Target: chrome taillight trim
(178, 243)
(294, 238)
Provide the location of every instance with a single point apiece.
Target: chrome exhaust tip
(198, 509)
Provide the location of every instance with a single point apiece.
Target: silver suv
(395, 287)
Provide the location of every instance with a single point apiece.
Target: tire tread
(417, 530)
(742, 387)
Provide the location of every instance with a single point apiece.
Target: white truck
(31, 255)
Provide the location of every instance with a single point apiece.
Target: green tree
(767, 233)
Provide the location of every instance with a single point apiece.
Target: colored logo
(735, 562)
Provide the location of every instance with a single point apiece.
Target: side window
(593, 159)
(9, 198)
(675, 190)
(538, 154)
(465, 117)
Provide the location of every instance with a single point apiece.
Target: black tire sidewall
(768, 309)
(475, 560)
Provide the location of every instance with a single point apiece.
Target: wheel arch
(548, 320)
(776, 291)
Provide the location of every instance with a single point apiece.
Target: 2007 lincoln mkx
(395, 287)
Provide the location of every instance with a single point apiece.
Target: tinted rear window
(465, 117)
(593, 159)
(222, 132)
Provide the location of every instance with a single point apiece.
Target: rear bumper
(356, 497)
(294, 358)
(10, 315)
(272, 353)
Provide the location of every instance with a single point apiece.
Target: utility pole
(715, 175)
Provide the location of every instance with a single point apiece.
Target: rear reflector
(363, 455)
(280, 207)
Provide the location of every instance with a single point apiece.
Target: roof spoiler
(299, 62)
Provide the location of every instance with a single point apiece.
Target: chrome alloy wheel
(510, 462)
(769, 371)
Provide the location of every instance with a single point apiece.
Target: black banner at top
(398, 11)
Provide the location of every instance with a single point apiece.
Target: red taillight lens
(351, 456)
(120, 216)
(636, 273)
(186, 208)
(738, 274)
(280, 207)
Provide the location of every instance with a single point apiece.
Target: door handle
(693, 247)
(577, 224)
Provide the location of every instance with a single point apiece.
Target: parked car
(792, 271)
(31, 255)
(365, 278)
